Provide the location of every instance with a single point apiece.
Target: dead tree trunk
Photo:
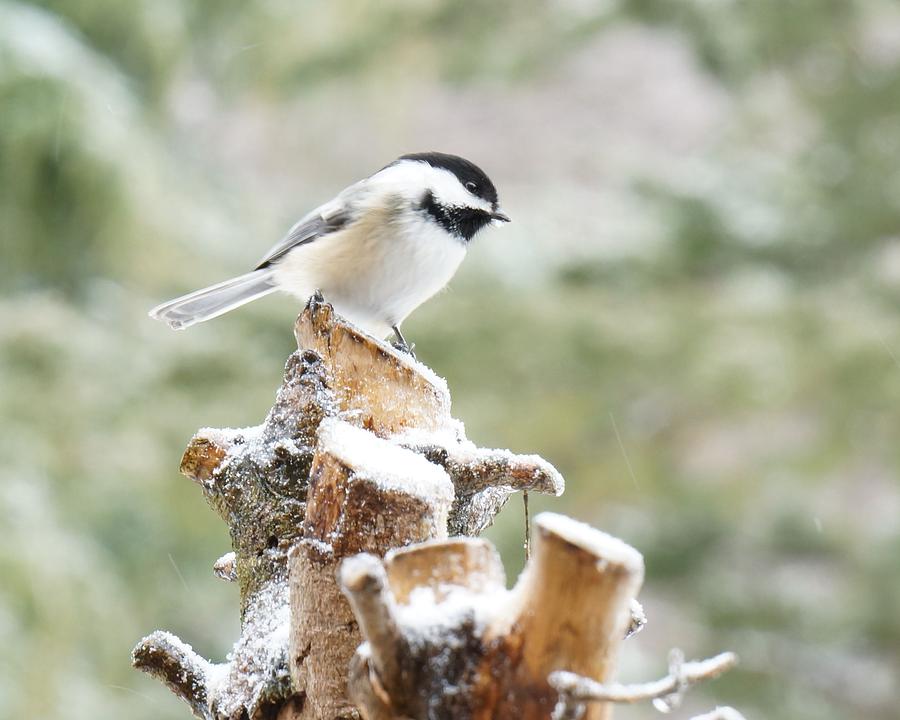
(358, 460)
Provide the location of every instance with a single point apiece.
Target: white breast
(377, 270)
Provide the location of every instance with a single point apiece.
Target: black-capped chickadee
(377, 251)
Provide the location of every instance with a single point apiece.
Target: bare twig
(527, 526)
(666, 693)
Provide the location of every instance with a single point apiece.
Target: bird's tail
(214, 300)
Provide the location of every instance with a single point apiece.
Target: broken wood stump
(340, 465)
(359, 459)
(444, 638)
(365, 495)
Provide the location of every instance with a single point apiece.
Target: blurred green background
(693, 314)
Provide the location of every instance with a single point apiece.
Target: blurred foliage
(694, 313)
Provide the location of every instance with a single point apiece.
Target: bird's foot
(401, 344)
(317, 298)
(404, 348)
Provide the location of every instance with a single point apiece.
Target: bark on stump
(365, 495)
(338, 467)
(444, 638)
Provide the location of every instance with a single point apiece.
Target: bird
(376, 252)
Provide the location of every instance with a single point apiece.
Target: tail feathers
(215, 300)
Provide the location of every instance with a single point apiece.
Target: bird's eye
(471, 187)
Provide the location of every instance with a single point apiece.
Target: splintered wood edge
(471, 563)
(319, 320)
(556, 628)
(206, 451)
(610, 551)
(367, 369)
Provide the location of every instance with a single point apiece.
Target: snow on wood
(606, 548)
(384, 389)
(366, 495)
(224, 567)
(666, 693)
(256, 677)
(443, 566)
(445, 638)
(484, 478)
(175, 663)
(359, 460)
(385, 463)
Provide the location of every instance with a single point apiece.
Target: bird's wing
(322, 221)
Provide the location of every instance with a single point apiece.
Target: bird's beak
(499, 217)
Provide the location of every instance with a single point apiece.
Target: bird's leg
(401, 343)
(317, 298)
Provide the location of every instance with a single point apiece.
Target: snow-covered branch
(666, 693)
(175, 663)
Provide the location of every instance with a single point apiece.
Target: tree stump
(358, 453)
(444, 638)
(359, 459)
(366, 495)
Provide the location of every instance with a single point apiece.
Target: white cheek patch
(411, 178)
(449, 191)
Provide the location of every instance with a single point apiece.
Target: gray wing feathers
(323, 220)
(215, 300)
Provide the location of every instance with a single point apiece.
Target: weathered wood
(287, 484)
(484, 478)
(360, 459)
(366, 495)
(452, 642)
(396, 397)
(440, 567)
(365, 582)
(385, 390)
(175, 663)
(552, 627)
(256, 479)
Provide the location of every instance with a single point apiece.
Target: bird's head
(450, 190)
